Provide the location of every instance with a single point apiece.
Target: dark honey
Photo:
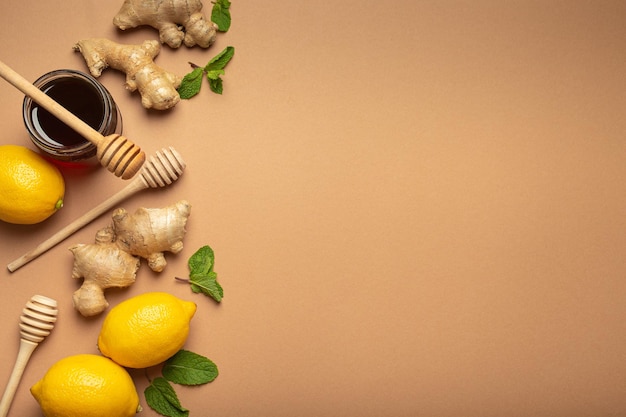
(77, 96)
(83, 96)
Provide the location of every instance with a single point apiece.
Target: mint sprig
(192, 82)
(202, 278)
(184, 368)
(220, 15)
(189, 368)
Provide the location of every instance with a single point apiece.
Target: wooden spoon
(115, 152)
(160, 170)
(36, 322)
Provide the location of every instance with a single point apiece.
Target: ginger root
(102, 265)
(149, 232)
(114, 258)
(178, 21)
(156, 86)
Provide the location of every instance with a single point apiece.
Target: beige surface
(417, 207)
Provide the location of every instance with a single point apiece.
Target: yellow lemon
(86, 386)
(32, 189)
(146, 330)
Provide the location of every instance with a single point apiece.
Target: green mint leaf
(207, 284)
(220, 14)
(216, 85)
(202, 278)
(191, 83)
(220, 60)
(161, 397)
(214, 74)
(189, 368)
(201, 262)
(215, 68)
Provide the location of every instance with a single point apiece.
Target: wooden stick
(114, 152)
(36, 322)
(159, 171)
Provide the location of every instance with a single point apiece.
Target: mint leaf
(202, 278)
(161, 397)
(215, 82)
(189, 368)
(191, 83)
(220, 15)
(201, 262)
(216, 86)
(220, 60)
(207, 285)
(214, 74)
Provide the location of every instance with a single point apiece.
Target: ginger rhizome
(156, 86)
(178, 21)
(102, 265)
(150, 232)
(113, 260)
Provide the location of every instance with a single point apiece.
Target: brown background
(417, 207)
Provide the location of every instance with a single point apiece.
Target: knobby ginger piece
(102, 265)
(178, 21)
(149, 232)
(156, 86)
(115, 257)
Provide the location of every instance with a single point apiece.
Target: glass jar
(82, 95)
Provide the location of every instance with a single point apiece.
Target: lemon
(86, 386)
(146, 330)
(32, 189)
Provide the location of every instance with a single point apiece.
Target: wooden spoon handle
(49, 104)
(26, 350)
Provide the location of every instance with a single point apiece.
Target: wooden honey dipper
(36, 322)
(159, 171)
(115, 152)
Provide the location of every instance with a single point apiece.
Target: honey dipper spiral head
(163, 168)
(38, 318)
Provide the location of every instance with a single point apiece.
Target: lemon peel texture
(146, 330)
